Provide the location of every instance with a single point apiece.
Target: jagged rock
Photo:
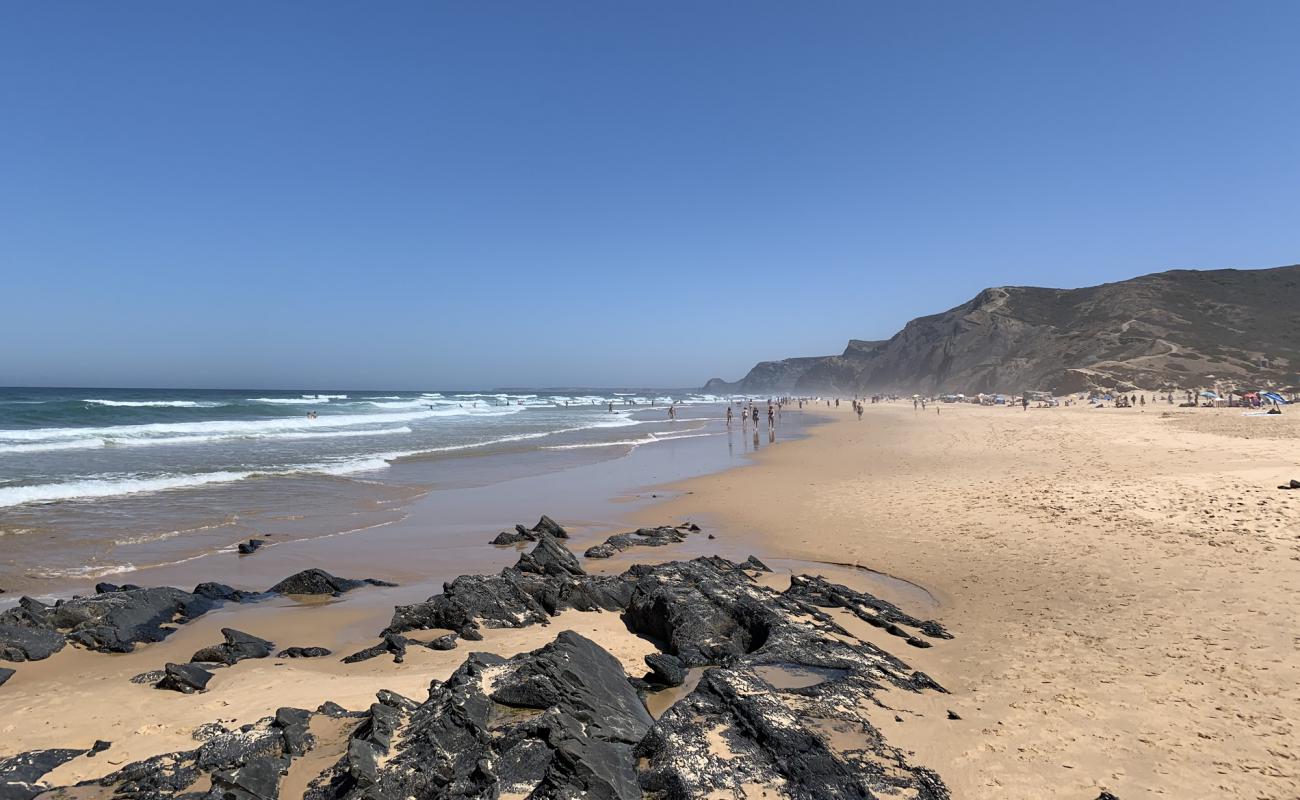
(641, 537)
(318, 581)
(104, 588)
(224, 593)
(250, 546)
(98, 747)
(237, 647)
(392, 643)
(244, 764)
(22, 643)
(953, 714)
(512, 537)
(824, 594)
(549, 557)
(112, 622)
(665, 670)
(447, 642)
(294, 721)
(1106, 796)
(559, 722)
(545, 525)
(184, 678)
(20, 775)
(302, 652)
(5, 675)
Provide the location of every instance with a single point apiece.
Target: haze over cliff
(1182, 328)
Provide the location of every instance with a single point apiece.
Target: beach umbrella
(1210, 395)
(1274, 396)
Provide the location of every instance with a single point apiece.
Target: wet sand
(1123, 586)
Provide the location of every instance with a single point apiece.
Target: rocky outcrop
(545, 525)
(303, 652)
(20, 775)
(184, 678)
(117, 618)
(318, 581)
(641, 537)
(783, 697)
(1185, 328)
(237, 647)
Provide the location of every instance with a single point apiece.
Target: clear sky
(426, 194)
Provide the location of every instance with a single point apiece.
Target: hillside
(1183, 328)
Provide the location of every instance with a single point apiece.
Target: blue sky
(421, 194)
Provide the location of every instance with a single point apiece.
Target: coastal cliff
(1175, 328)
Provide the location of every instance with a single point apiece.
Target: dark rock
(511, 537)
(447, 642)
(953, 714)
(23, 643)
(152, 676)
(184, 678)
(224, 593)
(115, 622)
(293, 722)
(551, 527)
(318, 581)
(549, 557)
(641, 537)
(824, 594)
(20, 775)
(665, 670)
(559, 722)
(711, 536)
(256, 779)
(5, 675)
(104, 588)
(248, 547)
(1106, 796)
(237, 647)
(392, 643)
(302, 652)
(98, 747)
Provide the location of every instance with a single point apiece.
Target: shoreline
(1119, 584)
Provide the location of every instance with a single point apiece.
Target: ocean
(95, 482)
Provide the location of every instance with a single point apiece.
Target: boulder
(303, 652)
(250, 546)
(549, 557)
(5, 675)
(318, 581)
(184, 678)
(237, 647)
(23, 643)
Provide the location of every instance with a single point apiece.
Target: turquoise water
(94, 481)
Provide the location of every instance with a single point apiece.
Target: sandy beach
(1121, 584)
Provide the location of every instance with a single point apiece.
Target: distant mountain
(1182, 328)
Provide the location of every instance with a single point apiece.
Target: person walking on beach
(771, 418)
(755, 420)
(728, 416)
(1024, 401)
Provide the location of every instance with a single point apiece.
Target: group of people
(750, 411)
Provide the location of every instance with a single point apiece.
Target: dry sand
(1124, 586)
